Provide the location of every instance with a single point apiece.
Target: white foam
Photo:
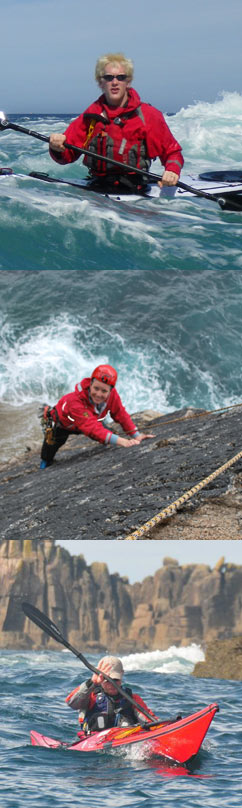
(47, 361)
(205, 129)
(173, 660)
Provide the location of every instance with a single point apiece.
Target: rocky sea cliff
(99, 611)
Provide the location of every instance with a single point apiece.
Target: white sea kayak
(225, 187)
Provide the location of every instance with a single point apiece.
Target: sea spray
(175, 338)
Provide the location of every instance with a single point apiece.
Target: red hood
(112, 112)
(82, 389)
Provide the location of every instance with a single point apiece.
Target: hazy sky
(136, 559)
(183, 51)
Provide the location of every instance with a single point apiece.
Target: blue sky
(137, 559)
(183, 51)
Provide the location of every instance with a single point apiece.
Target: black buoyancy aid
(108, 712)
(106, 137)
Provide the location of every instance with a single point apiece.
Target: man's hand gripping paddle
(147, 176)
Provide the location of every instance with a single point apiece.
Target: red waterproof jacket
(138, 124)
(77, 414)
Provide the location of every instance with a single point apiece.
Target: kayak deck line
(176, 726)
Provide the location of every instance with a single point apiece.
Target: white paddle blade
(3, 120)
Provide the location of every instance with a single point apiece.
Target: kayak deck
(179, 740)
(216, 186)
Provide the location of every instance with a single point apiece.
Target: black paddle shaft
(42, 621)
(5, 124)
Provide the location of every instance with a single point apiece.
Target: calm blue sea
(33, 690)
(48, 227)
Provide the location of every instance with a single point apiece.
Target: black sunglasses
(119, 77)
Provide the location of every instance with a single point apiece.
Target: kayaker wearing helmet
(119, 126)
(82, 412)
(99, 703)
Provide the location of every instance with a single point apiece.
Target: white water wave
(48, 361)
(211, 132)
(173, 660)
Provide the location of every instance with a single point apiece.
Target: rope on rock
(171, 509)
(185, 417)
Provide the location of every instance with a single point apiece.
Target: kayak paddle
(42, 621)
(229, 205)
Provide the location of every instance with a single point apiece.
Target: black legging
(48, 450)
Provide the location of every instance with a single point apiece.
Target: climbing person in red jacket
(100, 704)
(83, 410)
(118, 125)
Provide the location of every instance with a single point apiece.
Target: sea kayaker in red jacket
(99, 703)
(83, 411)
(118, 125)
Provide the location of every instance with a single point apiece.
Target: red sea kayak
(179, 740)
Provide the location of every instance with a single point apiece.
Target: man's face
(115, 91)
(99, 391)
(109, 688)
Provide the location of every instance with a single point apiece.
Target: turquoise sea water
(48, 227)
(33, 689)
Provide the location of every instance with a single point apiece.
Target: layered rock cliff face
(96, 610)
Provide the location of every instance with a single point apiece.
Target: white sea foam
(49, 360)
(211, 132)
(103, 220)
(44, 362)
(173, 660)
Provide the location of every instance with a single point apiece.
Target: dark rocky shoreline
(93, 492)
(223, 660)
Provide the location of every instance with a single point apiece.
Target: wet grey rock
(93, 492)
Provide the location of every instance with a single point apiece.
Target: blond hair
(114, 59)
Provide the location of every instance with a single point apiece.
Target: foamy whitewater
(33, 690)
(174, 336)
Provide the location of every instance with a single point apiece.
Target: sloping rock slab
(93, 492)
